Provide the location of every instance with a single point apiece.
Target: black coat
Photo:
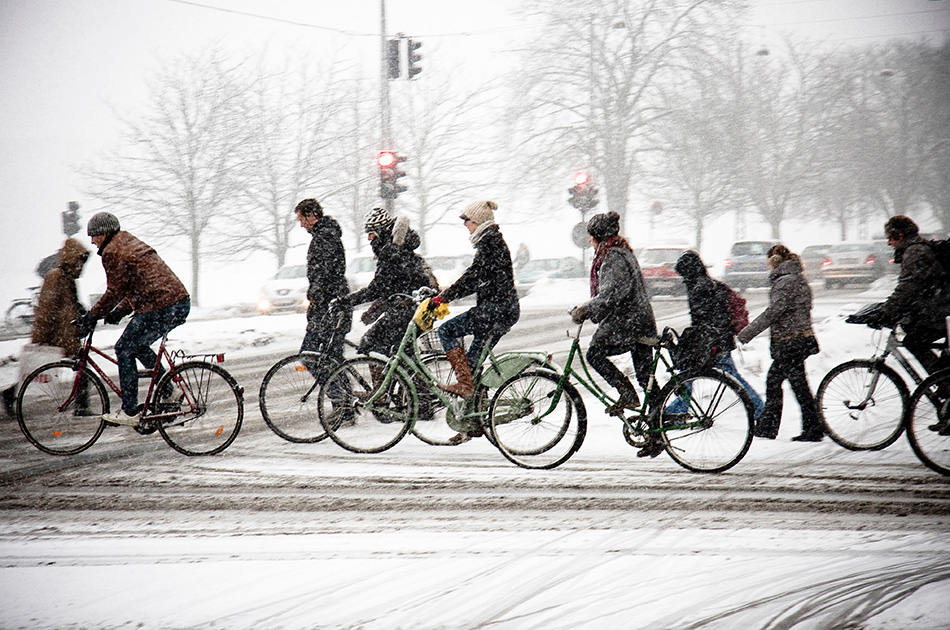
(921, 299)
(621, 307)
(398, 270)
(708, 301)
(326, 267)
(491, 278)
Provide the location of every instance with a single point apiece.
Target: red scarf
(600, 254)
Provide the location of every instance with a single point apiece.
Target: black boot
(9, 399)
(765, 427)
(628, 399)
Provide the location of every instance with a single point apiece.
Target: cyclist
(792, 341)
(137, 281)
(708, 306)
(619, 304)
(496, 310)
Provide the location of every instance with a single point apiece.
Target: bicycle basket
(696, 349)
(429, 342)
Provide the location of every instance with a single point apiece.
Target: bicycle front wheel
(20, 317)
(535, 422)
(364, 411)
(928, 424)
(288, 400)
(59, 414)
(715, 431)
(862, 405)
(205, 412)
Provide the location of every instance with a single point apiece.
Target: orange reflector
(300, 368)
(219, 431)
(57, 434)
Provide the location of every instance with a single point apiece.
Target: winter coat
(398, 268)
(921, 299)
(326, 267)
(708, 302)
(789, 311)
(621, 307)
(58, 303)
(137, 279)
(491, 278)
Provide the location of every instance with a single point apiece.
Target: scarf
(600, 254)
(480, 232)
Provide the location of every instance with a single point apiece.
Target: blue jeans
(727, 365)
(143, 330)
(452, 332)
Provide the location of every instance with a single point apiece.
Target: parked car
(862, 262)
(286, 291)
(747, 264)
(657, 264)
(529, 273)
(812, 258)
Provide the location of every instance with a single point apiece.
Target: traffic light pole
(384, 89)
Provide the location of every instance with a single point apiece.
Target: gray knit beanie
(102, 223)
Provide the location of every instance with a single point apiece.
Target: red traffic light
(581, 179)
(386, 159)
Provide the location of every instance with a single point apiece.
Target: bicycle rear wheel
(19, 317)
(288, 400)
(53, 417)
(358, 413)
(207, 409)
(536, 424)
(928, 424)
(862, 405)
(715, 432)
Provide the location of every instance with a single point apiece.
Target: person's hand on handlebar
(579, 314)
(85, 324)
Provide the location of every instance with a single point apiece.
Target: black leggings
(642, 357)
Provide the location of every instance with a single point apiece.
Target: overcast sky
(66, 65)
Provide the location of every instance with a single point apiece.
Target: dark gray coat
(921, 298)
(621, 306)
(326, 267)
(789, 312)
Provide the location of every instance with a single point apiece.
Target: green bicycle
(527, 413)
(369, 403)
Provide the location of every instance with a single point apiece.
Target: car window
(660, 256)
(848, 248)
(751, 248)
(289, 273)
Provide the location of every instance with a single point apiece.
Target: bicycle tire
(211, 409)
(350, 421)
(535, 422)
(431, 424)
(927, 410)
(19, 317)
(289, 401)
(875, 426)
(717, 433)
(58, 431)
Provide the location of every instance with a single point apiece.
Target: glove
(579, 314)
(341, 302)
(114, 316)
(875, 321)
(436, 302)
(85, 324)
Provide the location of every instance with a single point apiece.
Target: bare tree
(180, 162)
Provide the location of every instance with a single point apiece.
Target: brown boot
(628, 400)
(465, 384)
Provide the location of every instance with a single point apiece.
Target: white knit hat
(479, 212)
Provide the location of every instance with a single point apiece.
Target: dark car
(657, 264)
(747, 264)
(862, 262)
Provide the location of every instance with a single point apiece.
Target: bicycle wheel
(534, 422)
(288, 400)
(862, 405)
(19, 317)
(361, 416)
(928, 424)
(715, 432)
(55, 418)
(207, 411)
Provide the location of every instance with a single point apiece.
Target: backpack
(735, 304)
(941, 249)
(695, 350)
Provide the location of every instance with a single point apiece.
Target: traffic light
(71, 219)
(583, 192)
(392, 58)
(389, 174)
(413, 58)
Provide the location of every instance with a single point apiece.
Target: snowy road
(271, 534)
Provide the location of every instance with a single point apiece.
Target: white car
(286, 291)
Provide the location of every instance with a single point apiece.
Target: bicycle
(370, 403)
(20, 313)
(713, 435)
(60, 406)
(928, 422)
(864, 403)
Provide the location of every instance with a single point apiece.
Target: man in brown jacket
(137, 281)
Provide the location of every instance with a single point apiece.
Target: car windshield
(751, 248)
(289, 273)
(848, 248)
(660, 256)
